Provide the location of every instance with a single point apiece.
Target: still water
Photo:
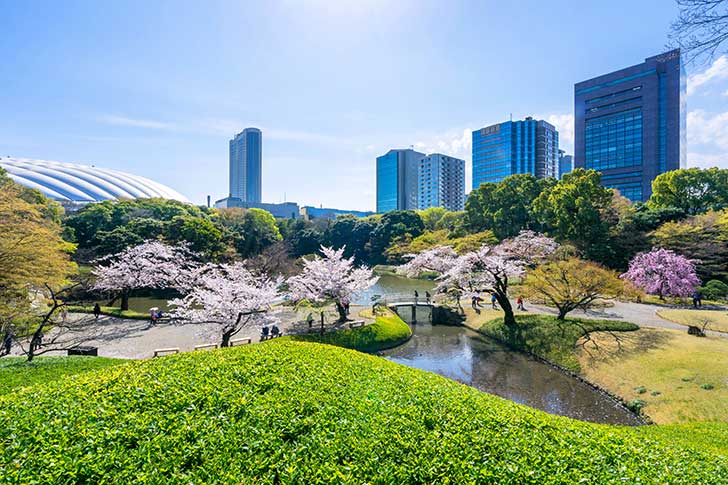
(465, 356)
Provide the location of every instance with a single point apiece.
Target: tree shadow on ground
(612, 346)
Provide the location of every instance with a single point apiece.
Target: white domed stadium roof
(74, 183)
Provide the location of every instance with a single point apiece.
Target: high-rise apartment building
(397, 173)
(441, 182)
(523, 146)
(630, 124)
(566, 163)
(246, 165)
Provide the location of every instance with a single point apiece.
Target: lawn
(717, 319)
(17, 372)
(386, 332)
(545, 336)
(300, 412)
(679, 378)
(111, 311)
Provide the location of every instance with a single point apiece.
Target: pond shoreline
(645, 419)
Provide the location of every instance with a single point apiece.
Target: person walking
(8, 341)
(97, 311)
(417, 295)
(428, 297)
(519, 302)
(493, 301)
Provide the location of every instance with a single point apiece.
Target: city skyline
(147, 98)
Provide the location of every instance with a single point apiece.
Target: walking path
(138, 339)
(641, 314)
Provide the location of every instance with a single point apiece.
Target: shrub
(386, 332)
(714, 290)
(636, 405)
(707, 387)
(640, 389)
(298, 412)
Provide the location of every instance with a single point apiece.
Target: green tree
(575, 210)
(571, 284)
(431, 217)
(703, 238)
(204, 237)
(692, 190)
(392, 226)
(506, 207)
(252, 230)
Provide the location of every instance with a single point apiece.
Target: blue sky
(157, 88)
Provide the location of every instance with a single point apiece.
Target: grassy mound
(16, 372)
(298, 412)
(551, 339)
(386, 332)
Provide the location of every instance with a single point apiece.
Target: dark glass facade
(630, 124)
(246, 160)
(524, 146)
(397, 173)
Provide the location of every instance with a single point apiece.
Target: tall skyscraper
(441, 182)
(566, 163)
(630, 124)
(524, 146)
(246, 165)
(397, 173)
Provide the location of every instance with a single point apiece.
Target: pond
(467, 357)
(394, 285)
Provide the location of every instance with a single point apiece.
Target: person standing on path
(493, 299)
(428, 298)
(520, 304)
(97, 311)
(417, 295)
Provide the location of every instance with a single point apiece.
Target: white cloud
(708, 160)
(564, 123)
(707, 129)
(136, 122)
(717, 70)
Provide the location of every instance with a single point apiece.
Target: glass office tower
(397, 180)
(246, 165)
(524, 146)
(566, 163)
(441, 182)
(630, 124)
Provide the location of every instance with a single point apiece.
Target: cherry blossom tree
(151, 264)
(663, 273)
(487, 269)
(331, 279)
(228, 295)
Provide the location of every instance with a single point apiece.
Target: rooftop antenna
(511, 116)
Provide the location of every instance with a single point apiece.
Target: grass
(669, 301)
(690, 374)
(111, 311)
(717, 319)
(549, 338)
(386, 332)
(300, 412)
(16, 372)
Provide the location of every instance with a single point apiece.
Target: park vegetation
(267, 414)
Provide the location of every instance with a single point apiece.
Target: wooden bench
(205, 346)
(359, 323)
(240, 341)
(172, 350)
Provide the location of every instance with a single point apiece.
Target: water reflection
(465, 356)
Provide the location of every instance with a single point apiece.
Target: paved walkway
(138, 339)
(642, 314)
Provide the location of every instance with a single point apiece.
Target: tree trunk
(508, 317)
(125, 301)
(562, 314)
(322, 322)
(342, 312)
(226, 339)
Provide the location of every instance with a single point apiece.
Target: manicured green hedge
(386, 332)
(111, 311)
(17, 372)
(297, 412)
(551, 339)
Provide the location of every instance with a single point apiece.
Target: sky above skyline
(158, 88)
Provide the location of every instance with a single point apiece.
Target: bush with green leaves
(299, 412)
(714, 290)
